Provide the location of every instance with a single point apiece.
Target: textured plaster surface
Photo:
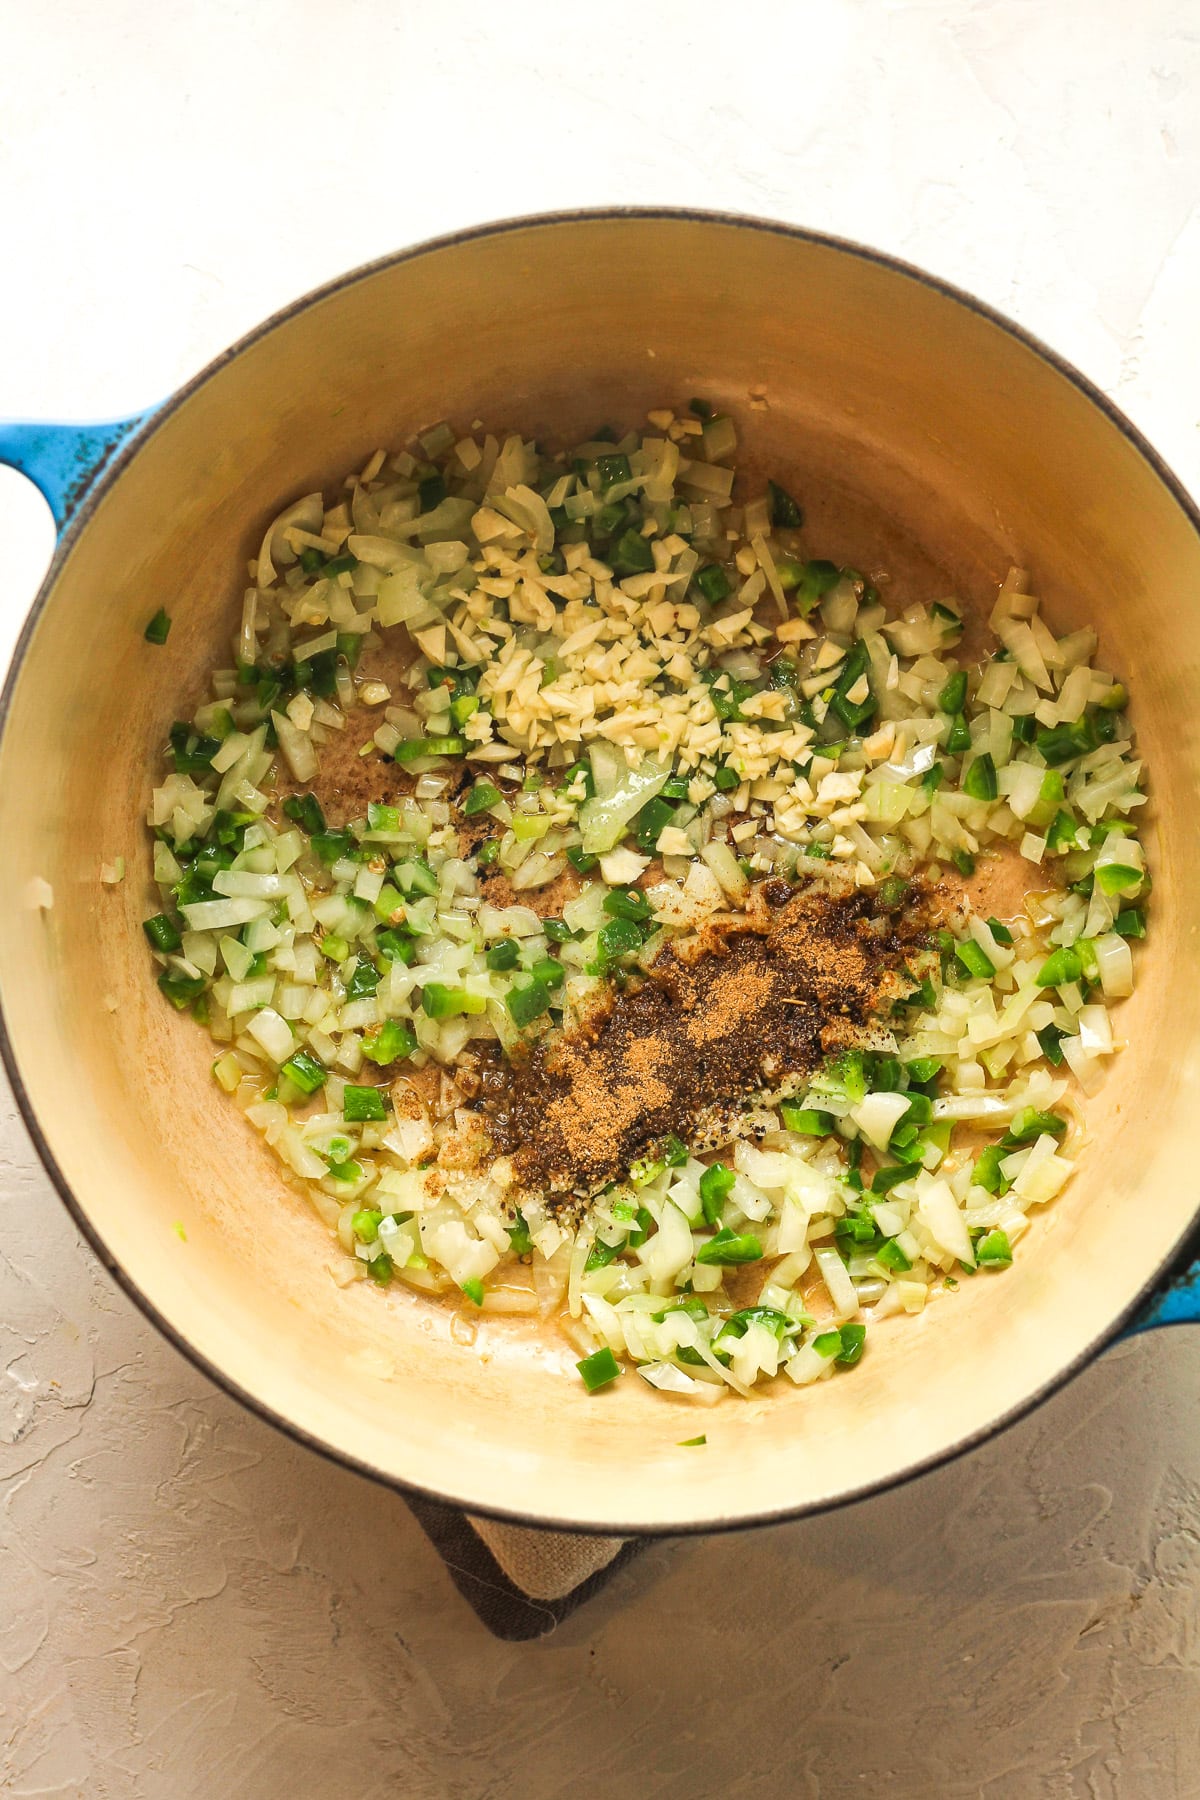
(191, 1607)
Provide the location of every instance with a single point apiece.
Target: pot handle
(1176, 1299)
(65, 461)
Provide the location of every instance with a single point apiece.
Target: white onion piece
(273, 1033)
(1115, 962)
(240, 884)
(670, 1379)
(223, 915)
(669, 1249)
(841, 1289)
(309, 514)
(728, 871)
(808, 1365)
(939, 1213)
(878, 1116)
(973, 1106)
(1086, 1068)
(1095, 1030)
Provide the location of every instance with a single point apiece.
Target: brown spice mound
(743, 1012)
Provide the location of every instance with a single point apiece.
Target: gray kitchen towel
(520, 1583)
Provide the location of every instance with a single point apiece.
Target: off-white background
(191, 1608)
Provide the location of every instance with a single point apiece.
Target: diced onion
(617, 708)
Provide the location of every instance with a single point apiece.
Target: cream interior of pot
(921, 437)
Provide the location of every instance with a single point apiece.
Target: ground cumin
(734, 1017)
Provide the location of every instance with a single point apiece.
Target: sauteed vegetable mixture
(587, 889)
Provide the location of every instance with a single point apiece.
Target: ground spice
(741, 1014)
